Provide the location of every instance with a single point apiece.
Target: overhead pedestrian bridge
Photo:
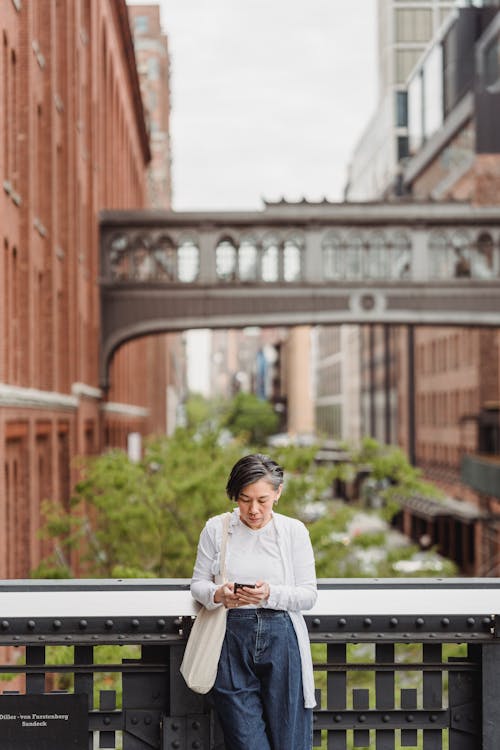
(295, 264)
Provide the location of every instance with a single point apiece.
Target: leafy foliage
(251, 418)
(141, 519)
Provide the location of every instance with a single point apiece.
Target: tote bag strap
(225, 534)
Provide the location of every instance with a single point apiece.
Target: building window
(492, 63)
(153, 69)
(141, 24)
(401, 109)
(403, 148)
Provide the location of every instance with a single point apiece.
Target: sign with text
(44, 722)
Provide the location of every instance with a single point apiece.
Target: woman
(264, 691)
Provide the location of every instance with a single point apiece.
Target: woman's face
(256, 501)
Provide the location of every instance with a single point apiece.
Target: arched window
(292, 258)
(225, 260)
(165, 259)
(333, 257)
(484, 261)
(460, 255)
(141, 266)
(376, 257)
(188, 261)
(118, 257)
(439, 257)
(270, 259)
(400, 266)
(247, 259)
(354, 259)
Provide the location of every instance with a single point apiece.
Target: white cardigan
(298, 593)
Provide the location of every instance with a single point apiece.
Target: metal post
(491, 691)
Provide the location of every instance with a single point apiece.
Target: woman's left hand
(254, 596)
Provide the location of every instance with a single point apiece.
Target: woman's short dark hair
(250, 469)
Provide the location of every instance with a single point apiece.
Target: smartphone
(240, 586)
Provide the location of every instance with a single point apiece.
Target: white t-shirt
(253, 555)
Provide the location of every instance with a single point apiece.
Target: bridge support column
(207, 266)
(313, 259)
(420, 255)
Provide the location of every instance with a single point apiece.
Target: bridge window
(292, 259)
(401, 256)
(354, 261)
(440, 258)
(376, 259)
(333, 265)
(225, 260)
(165, 260)
(461, 255)
(270, 260)
(484, 260)
(118, 257)
(188, 259)
(247, 260)
(141, 262)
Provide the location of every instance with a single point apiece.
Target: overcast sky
(269, 97)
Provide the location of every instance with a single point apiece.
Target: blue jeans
(258, 691)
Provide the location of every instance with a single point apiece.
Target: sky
(269, 97)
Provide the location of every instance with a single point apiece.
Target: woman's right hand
(225, 595)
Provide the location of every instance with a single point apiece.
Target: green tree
(251, 418)
(141, 519)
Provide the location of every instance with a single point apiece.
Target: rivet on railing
(107, 720)
(342, 622)
(471, 621)
(109, 624)
(445, 622)
(337, 718)
(386, 718)
(316, 622)
(433, 718)
(367, 622)
(362, 718)
(420, 622)
(134, 720)
(5, 624)
(31, 624)
(161, 623)
(135, 623)
(56, 624)
(487, 621)
(68, 637)
(82, 624)
(195, 724)
(410, 718)
(393, 622)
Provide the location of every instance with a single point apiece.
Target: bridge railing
(398, 663)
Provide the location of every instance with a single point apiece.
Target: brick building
(446, 380)
(73, 141)
(153, 65)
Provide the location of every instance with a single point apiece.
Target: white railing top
(171, 597)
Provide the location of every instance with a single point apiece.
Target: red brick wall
(73, 142)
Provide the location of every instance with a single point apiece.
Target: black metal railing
(398, 663)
